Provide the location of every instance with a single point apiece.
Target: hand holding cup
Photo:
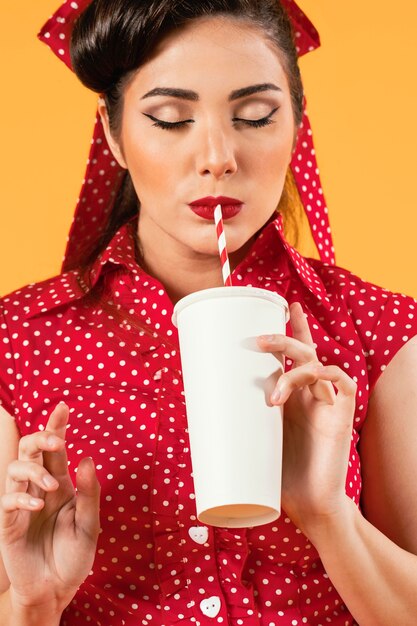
(319, 405)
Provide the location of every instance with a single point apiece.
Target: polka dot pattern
(104, 175)
(155, 563)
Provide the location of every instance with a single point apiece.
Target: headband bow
(103, 174)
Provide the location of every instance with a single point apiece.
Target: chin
(237, 241)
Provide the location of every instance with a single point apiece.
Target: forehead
(210, 52)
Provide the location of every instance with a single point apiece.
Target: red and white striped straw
(221, 242)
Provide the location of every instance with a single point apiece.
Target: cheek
(273, 157)
(148, 163)
(273, 164)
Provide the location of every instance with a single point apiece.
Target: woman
(199, 101)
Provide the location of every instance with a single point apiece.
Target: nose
(216, 154)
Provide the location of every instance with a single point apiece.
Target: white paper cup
(235, 433)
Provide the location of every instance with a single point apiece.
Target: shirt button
(210, 606)
(199, 534)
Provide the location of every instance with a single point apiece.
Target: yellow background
(362, 94)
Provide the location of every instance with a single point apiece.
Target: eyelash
(264, 121)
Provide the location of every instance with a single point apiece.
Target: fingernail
(33, 502)
(276, 395)
(266, 337)
(49, 481)
(61, 403)
(52, 441)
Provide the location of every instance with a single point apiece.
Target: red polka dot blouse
(156, 564)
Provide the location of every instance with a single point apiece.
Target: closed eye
(263, 121)
(168, 125)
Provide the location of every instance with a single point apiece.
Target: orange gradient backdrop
(362, 97)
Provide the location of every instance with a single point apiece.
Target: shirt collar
(120, 253)
(303, 268)
(74, 285)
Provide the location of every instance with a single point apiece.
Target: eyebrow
(187, 94)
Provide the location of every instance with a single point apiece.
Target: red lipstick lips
(204, 207)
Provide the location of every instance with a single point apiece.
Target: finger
(32, 447)
(299, 325)
(87, 517)
(346, 387)
(12, 502)
(20, 473)
(323, 391)
(48, 447)
(56, 460)
(58, 420)
(293, 348)
(308, 375)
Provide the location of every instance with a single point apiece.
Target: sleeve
(7, 372)
(384, 321)
(396, 325)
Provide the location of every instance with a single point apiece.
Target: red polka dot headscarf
(104, 175)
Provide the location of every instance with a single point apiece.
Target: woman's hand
(317, 427)
(48, 531)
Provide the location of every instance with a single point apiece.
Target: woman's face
(219, 88)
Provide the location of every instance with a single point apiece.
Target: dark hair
(112, 38)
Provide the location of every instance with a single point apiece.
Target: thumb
(87, 508)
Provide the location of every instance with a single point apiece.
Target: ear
(113, 144)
